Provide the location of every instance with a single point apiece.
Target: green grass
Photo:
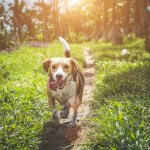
(23, 100)
(121, 106)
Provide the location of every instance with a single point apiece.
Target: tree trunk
(20, 33)
(18, 26)
(137, 18)
(147, 37)
(105, 21)
(126, 23)
(56, 19)
(45, 27)
(30, 27)
(143, 12)
(2, 15)
(65, 28)
(115, 34)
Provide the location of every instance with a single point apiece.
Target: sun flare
(73, 2)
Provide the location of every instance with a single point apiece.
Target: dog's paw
(71, 124)
(64, 113)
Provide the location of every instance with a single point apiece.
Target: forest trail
(61, 137)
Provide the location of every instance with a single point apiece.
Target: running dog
(65, 84)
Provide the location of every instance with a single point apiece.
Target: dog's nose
(59, 76)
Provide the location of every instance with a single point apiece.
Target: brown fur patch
(46, 64)
(67, 54)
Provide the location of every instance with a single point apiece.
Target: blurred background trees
(76, 20)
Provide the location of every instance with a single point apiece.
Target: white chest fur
(62, 95)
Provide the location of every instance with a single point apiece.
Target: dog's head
(60, 68)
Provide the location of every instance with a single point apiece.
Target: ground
(115, 109)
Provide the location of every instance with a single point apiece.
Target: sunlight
(73, 2)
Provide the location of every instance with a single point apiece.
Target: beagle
(65, 84)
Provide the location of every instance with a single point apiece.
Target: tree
(43, 18)
(1, 17)
(29, 15)
(147, 37)
(105, 20)
(56, 22)
(126, 21)
(116, 33)
(17, 19)
(45, 21)
(137, 18)
(89, 19)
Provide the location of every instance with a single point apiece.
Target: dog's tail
(65, 46)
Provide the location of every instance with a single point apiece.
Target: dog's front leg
(73, 103)
(73, 119)
(65, 110)
(51, 102)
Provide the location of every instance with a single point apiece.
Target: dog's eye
(53, 67)
(66, 66)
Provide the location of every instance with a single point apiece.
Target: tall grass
(122, 98)
(23, 100)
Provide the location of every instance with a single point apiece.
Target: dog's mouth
(53, 85)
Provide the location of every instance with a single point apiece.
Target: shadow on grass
(135, 82)
(122, 108)
(58, 137)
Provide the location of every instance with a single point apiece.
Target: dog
(65, 84)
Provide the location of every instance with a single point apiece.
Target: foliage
(83, 20)
(23, 99)
(121, 107)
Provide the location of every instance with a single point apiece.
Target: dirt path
(62, 137)
(84, 110)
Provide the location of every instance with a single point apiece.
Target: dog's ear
(46, 64)
(74, 66)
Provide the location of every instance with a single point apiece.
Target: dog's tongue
(55, 84)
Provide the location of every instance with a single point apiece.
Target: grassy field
(121, 111)
(121, 103)
(23, 100)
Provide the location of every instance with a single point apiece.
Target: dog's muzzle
(59, 84)
(53, 85)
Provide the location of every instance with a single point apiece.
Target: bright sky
(71, 3)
